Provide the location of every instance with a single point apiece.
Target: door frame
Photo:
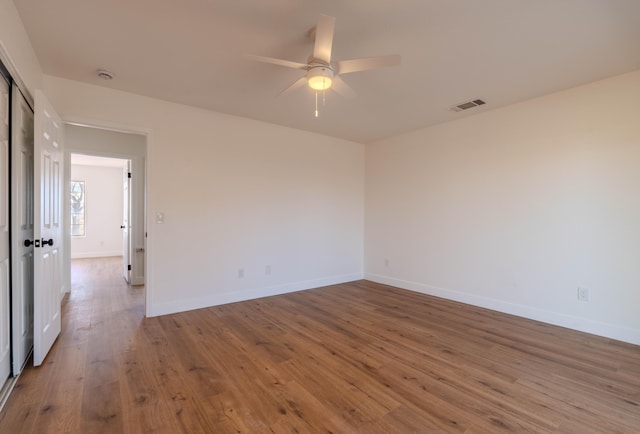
(138, 163)
(6, 208)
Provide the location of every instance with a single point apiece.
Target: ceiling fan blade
(342, 88)
(365, 63)
(296, 85)
(281, 62)
(324, 38)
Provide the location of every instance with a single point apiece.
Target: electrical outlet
(267, 270)
(386, 263)
(583, 294)
(240, 273)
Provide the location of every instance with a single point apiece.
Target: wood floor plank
(25, 403)
(101, 408)
(147, 412)
(61, 406)
(165, 370)
(352, 358)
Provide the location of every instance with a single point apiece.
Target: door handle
(27, 243)
(45, 242)
(122, 227)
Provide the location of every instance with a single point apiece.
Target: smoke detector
(104, 74)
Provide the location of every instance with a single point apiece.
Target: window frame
(84, 209)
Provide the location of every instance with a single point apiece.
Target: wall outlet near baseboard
(240, 273)
(583, 294)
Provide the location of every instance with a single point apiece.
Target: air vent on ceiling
(467, 105)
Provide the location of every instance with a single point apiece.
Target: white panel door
(126, 221)
(47, 261)
(5, 309)
(21, 229)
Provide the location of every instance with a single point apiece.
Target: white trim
(84, 255)
(607, 330)
(232, 297)
(15, 74)
(104, 125)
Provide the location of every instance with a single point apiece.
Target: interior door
(126, 222)
(48, 282)
(5, 310)
(21, 229)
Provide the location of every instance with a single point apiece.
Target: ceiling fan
(323, 74)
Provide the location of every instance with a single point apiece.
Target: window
(77, 209)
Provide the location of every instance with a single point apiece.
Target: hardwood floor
(351, 358)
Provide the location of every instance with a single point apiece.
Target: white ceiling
(191, 52)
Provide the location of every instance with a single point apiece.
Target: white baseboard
(232, 297)
(607, 330)
(86, 255)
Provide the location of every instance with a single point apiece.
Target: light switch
(159, 218)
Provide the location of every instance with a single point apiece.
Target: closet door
(21, 228)
(5, 308)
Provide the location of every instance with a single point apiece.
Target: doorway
(117, 227)
(100, 210)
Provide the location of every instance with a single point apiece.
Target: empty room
(346, 217)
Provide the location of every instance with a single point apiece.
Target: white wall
(236, 194)
(103, 208)
(515, 208)
(16, 51)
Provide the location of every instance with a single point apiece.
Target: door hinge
(129, 175)
(129, 267)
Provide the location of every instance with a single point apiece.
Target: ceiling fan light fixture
(320, 78)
